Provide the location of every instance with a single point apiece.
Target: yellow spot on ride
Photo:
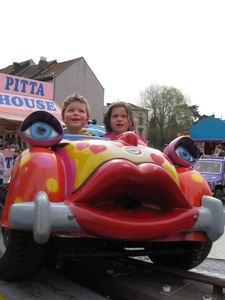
(24, 160)
(197, 178)
(52, 185)
(18, 200)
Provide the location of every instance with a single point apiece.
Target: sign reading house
(21, 96)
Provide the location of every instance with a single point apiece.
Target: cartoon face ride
(77, 195)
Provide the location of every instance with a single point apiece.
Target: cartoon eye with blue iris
(41, 131)
(183, 153)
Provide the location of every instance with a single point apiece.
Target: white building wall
(79, 78)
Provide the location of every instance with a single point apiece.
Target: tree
(194, 111)
(169, 113)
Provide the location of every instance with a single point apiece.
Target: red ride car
(78, 196)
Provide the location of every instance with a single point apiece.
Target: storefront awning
(210, 129)
(14, 109)
(12, 117)
(9, 126)
(19, 97)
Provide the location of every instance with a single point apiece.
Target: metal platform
(120, 282)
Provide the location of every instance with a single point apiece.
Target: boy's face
(118, 120)
(75, 117)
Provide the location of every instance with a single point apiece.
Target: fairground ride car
(73, 197)
(212, 169)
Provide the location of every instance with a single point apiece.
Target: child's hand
(84, 131)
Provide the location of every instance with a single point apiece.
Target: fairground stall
(19, 97)
(207, 134)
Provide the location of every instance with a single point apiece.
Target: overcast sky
(128, 44)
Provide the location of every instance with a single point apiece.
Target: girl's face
(119, 121)
(75, 117)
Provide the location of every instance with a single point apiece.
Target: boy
(75, 114)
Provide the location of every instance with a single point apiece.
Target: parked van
(212, 169)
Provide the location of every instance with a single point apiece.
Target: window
(140, 121)
(140, 130)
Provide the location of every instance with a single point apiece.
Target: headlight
(182, 151)
(41, 129)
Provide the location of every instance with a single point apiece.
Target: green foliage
(169, 113)
(194, 111)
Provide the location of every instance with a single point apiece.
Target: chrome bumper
(42, 217)
(211, 219)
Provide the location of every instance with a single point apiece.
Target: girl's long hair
(129, 112)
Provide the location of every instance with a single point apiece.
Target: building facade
(74, 76)
(67, 78)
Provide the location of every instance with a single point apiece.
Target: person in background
(75, 114)
(200, 153)
(16, 154)
(6, 144)
(14, 144)
(219, 151)
(210, 169)
(2, 167)
(223, 146)
(119, 119)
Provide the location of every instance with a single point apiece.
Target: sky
(129, 45)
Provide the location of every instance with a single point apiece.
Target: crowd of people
(219, 151)
(11, 143)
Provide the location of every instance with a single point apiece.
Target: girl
(118, 119)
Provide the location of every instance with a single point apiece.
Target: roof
(34, 70)
(43, 71)
(16, 68)
(55, 69)
(203, 117)
(135, 107)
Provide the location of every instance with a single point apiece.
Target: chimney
(42, 63)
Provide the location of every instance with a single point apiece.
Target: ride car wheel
(219, 195)
(194, 254)
(20, 256)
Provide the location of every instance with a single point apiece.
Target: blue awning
(210, 129)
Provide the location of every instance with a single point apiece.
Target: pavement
(218, 249)
(214, 264)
